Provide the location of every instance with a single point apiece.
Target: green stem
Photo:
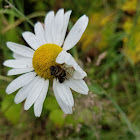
(4, 78)
(21, 14)
(123, 115)
(100, 91)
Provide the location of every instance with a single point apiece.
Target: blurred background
(109, 51)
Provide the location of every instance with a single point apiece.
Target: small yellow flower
(129, 6)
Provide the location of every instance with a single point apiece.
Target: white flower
(35, 62)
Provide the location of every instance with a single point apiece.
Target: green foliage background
(109, 52)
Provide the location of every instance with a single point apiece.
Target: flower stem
(100, 91)
(21, 14)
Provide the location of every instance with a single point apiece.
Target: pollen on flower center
(44, 57)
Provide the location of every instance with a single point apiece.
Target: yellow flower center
(44, 57)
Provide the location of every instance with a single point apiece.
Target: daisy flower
(48, 59)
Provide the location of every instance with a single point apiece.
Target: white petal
(22, 94)
(40, 100)
(76, 33)
(48, 26)
(19, 71)
(20, 82)
(67, 58)
(31, 39)
(34, 92)
(40, 33)
(79, 75)
(63, 92)
(17, 56)
(78, 85)
(65, 25)
(25, 63)
(58, 26)
(66, 109)
(20, 49)
(24, 91)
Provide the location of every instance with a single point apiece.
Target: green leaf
(51, 103)
(10, 109)
(57, 117)
(70, 120)
(96, 89)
